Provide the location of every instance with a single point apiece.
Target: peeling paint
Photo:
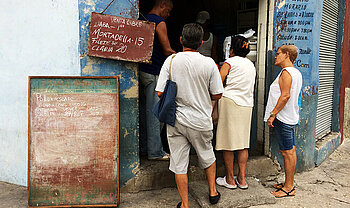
(132, 92)
(310, 90)
(89, 2)
(289, 22)
(125, 133)
(281, 4)
(128, 102)
(136, 170)
(133, 165)
(86, 10)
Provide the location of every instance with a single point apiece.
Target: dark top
(158, 56)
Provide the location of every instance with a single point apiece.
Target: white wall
(37, 37)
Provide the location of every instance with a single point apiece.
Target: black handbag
(165, 109)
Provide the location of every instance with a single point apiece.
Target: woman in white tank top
(282, 113)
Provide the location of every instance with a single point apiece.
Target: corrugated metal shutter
(327, 59)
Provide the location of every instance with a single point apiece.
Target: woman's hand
(270, 121)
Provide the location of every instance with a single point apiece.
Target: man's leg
(290, 161)
(202, 143)
(211, 174)
(228, 159)
(179, 149)
(154, 142)
(182, 188)
(242, 157)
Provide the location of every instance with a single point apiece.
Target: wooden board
(73, 142)
(120, 38)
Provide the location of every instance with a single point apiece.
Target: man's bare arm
(162, 33)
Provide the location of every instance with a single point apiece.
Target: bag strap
(171, 61)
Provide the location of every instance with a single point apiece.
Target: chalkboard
(73, 142)
(120, 38)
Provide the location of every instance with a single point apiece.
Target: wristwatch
(272, 114)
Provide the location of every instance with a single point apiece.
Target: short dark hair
(192, 35)
(240, 45)
(167, 2)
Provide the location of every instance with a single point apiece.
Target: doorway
(227, 18)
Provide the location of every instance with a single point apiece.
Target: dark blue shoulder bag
(165, 109)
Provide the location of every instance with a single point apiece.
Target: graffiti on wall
(296, 24)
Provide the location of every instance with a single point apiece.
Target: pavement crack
(334, 181)
(342, 201)
(322, 182)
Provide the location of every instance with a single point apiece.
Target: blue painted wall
(90, 66)
(299, 23)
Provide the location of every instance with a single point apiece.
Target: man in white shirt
(198, 82)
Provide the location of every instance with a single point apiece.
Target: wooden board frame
(30, 78)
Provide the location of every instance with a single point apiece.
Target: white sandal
(221, 181)
(241, 186)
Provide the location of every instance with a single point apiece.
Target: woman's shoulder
(239, 61)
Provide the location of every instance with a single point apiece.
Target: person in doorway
(210, 41)
(198, 82)
(235, 112)
(282, 113)
(149, 76)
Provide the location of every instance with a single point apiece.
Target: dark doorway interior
(227, 18)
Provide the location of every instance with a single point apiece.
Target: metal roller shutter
(327, 58)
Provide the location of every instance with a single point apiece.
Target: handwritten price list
(294, 25)
(120, 38)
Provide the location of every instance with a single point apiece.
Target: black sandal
(287, 193)
(179, 204)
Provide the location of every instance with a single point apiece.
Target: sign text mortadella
(120, 38)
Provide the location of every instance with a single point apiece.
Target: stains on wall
(344, 102)
(90, 66)
(298, 23)
(310, 90)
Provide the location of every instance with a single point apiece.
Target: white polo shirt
(197, 77)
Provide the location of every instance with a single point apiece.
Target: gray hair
(292, 50)
(192, 36)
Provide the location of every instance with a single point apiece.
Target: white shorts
(180, 139)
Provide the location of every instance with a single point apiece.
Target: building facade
(51, 38)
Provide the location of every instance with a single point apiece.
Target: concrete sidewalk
(325, 186)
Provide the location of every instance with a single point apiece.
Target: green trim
(338, 67)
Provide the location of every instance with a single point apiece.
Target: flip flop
(287, 193)
(278, 185)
